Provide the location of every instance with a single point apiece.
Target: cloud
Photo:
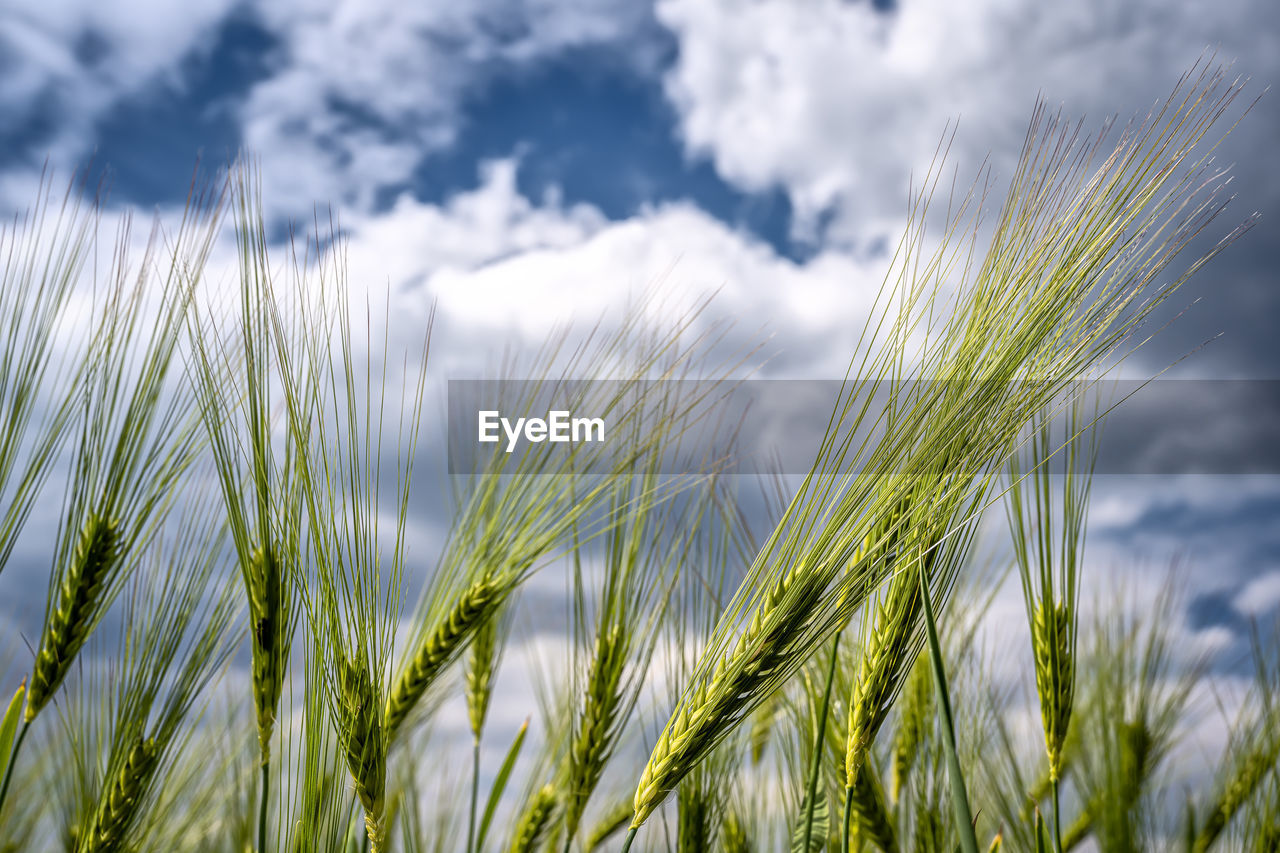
(502, 268)
(367, 89)
(839, 103)
(1260, 596)
(65, 63)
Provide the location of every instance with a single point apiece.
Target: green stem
(475, 793)
(959, 797)
(13, 762)
(1057, 818)
(262, 807)
(848, 815)
(631, 836)
(812, 795)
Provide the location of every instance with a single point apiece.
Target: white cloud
(139, 45)
(358, 93)
(503, 268)
(369, 87)
(1260, 596)
(839, 104)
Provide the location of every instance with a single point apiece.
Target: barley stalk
(79, 597)
(1048, 552)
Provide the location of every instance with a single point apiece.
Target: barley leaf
(959, 797)
(9, 727)
(500, 785)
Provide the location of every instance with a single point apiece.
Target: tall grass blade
(959, 796)
(499, 786)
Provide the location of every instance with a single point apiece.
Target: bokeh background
(524, 163)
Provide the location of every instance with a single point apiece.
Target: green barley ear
(482, 664)
(890, 642)
(124, 725)
(120, 806)
(270, 626)
(349, 577)
(1051, 632)
(1067, 253)
(79, 598)
(916, 712)
(535, 822)
(593, 738)
(364, 743)
(1048, 537)
(231, 371)
(615, 636)
(887, 646)
(136, 437)
(473, 608)
(1252, 757)
(872, 821)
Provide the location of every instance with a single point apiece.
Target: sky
(523, 163)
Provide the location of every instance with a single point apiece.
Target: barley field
(243, 650)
